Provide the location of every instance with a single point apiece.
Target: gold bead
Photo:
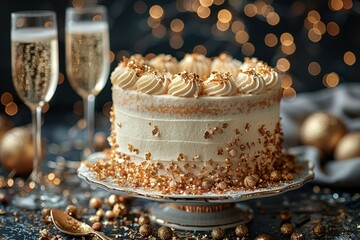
(348, 146)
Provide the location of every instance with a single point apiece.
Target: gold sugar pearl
(218, 233)
(297, 236)
(263, 237)
(165, 233)
(145, 230)
(95, 202)
(144, 219)
(96, 226)
(287, 229)
(285, 215)
(241, 230)
(319, 230)
(72, 211)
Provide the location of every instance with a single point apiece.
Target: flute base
(35, 200)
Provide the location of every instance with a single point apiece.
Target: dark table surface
(337, 209)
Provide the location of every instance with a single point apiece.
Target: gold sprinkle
(207, 135)
(130, 147)
(225, 125)
(220, 151)
(181, 157)
(148, 155)
(155, 132)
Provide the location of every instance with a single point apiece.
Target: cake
(211, 127)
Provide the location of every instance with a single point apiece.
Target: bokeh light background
(315, 44)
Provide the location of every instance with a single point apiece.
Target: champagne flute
(87, 59)
(35, 71)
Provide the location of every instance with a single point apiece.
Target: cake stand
(198, 212)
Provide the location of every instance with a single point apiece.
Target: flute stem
(89, 108)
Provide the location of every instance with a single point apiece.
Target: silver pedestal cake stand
(198, 212)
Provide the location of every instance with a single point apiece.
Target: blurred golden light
(177, 25)
(270, 40)
(237, 26)
(288, 50)
(97, 18)
(184, 5)
(32, 185)
(200, 49)
(314, 68)
(314, 35)
(57, 181)
(248, 49)
(176, 42)
(107, 108)
(78, 3)
(61, 78)
(140, 7)
(289, 94)
(51, 176)
(298, 8)
(159, 32)
(121, 54)
(242, 37)
(78, 108)
(45, 108)
(307, 24)
(321, 27)
(194, 6)
(331, 80)
(48, 24)
(156, 12)
(20, 22)
(250, 10)
(266, 9)
(333, 28)
(349, 58)
(313, 16)
(286, 39)
(283, 64)
(259, 5)
(206, 3)
(10, 182)
(273, 18)
(224, 16)
(222, 26)
(336, 5)
(153, 23)
(348, 4)
(111, 56)
(150, 55)
(286, 81)
(11, 109)
(6, 98)
(219, 2)
(203, 12)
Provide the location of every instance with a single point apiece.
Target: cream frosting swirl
(165, 63)
(152, 83)
(185, 84)
(250, 63)
(219, 84)
(250, 82)
(196, 63)
(124, 77)
(225, 63)
(270, 76)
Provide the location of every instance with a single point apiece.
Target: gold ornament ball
(323, 131)
(17, 150)
(348, 146)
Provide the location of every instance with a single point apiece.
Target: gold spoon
(69, 225)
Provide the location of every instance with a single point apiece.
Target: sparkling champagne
(34, 64)
(87, 56)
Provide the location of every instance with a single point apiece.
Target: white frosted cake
(195, 126)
